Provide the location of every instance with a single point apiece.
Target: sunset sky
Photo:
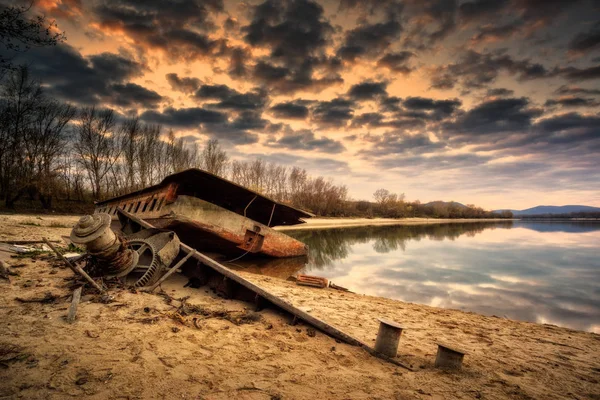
(491, 102)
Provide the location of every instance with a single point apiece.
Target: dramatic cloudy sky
(492, 102)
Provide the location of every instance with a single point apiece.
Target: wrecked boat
(212, 214)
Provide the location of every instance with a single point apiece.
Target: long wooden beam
(273, 299)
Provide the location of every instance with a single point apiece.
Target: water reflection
(533, 271)
(328, 245)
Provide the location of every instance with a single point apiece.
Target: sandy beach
(189, 343)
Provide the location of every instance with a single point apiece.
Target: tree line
(54, 151)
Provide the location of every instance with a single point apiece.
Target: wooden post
(74, 303)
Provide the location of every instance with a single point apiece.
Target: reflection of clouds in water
(522, 276)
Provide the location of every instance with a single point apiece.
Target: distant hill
(539, 210)
(445, 203)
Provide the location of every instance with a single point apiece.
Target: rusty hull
(210, 227)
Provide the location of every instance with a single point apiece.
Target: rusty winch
(112, 255)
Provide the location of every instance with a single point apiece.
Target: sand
(139, 346)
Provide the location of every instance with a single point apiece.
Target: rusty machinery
(149, 252)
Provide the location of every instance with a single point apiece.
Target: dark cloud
(371, 7)
(476, 70)
(378, 120)
(306, 140)
(97, 79)
(368, 90)
(500, 92)
(178, 30)
(219, 92)
(283, 80)
(579, 74)
(584, 125)
(540, 13)
(397, 62)
(115, 67)
(184, 117)
(390, 104)
(238, 60)
(183, 84)
(477, 9)
(586, 41)
(430, 21)
(249, 120)
(297, 34)
(398, 142)
(507, 116)
(231, 99)
(296, 109)
(336, 112)
(236, 130)
(571, 101)
(574, 90)
(441, 108)
(492, 33)
(411, 164)
(134, 95)
(369, 40)
(292, 30)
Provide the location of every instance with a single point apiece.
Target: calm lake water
(545, 272)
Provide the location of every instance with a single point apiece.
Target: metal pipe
(449, 357)
(388, 338)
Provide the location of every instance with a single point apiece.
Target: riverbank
(327, 223)
(146, 346)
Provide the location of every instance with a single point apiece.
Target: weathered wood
(74, 304)
(276, 301)
(75, 268)
(314, 281)
(27, 241)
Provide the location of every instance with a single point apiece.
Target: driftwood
(74, 304)
(27, 241)
(48, 298)
(75, 268)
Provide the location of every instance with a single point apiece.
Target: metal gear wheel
(153, 268)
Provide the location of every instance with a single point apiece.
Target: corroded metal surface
(110, 256)
(225, 226)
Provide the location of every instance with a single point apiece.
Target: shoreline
(327, 223)
(147, 347)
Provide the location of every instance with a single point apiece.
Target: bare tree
(44, 142)
(96, 145)
(20, 95)
(19, 32)
(213, 159)
(131, 131)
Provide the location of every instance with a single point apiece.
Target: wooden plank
(314, 281)
(75, 268)
(74, 304)
(277, 301)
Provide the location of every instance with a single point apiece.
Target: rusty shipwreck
(214, 215)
